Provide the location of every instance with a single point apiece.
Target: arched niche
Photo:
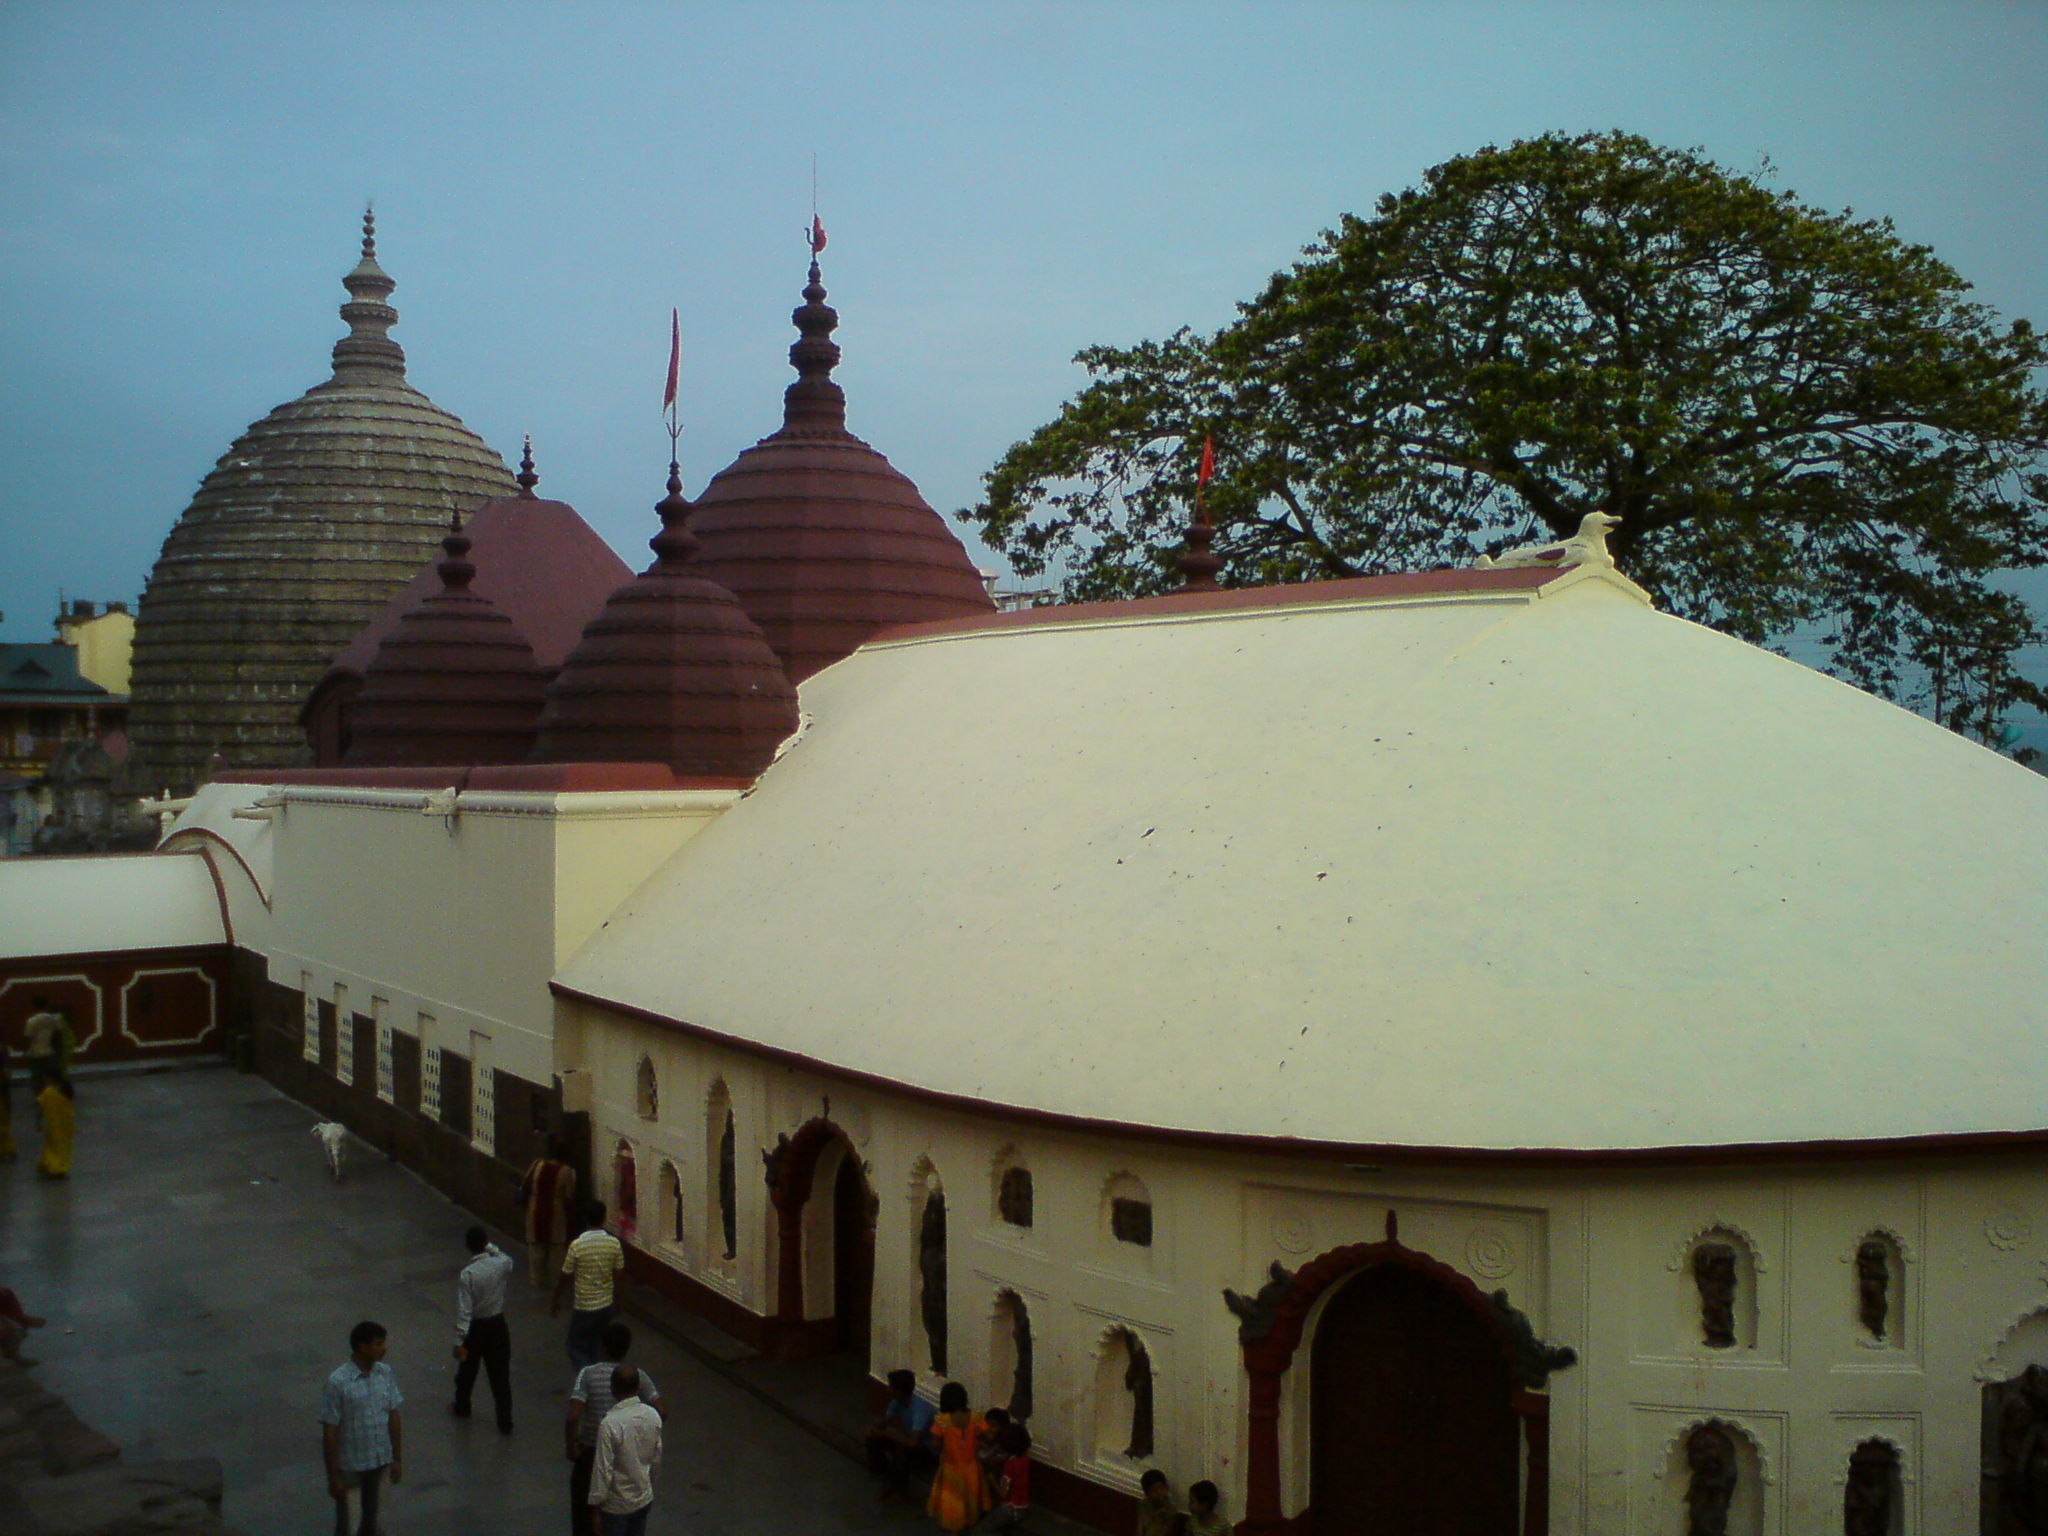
(1013, 1197)
(1011, 1355)
(721, 1174)
(625, 1189)
(1714, 1479)
(1124, 1422)
(1715, 1300)
(669, 1212)
(825, 1219)
(1874, 1489)
(1878, 1289)
(929, 1263)
(1128, 1221)
(646, 1090)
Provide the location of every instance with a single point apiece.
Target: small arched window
(931, 1268)
(671, 1204)
(1013, 1197)
(1872, 1501)
(1130, 1211)
(647, 1090)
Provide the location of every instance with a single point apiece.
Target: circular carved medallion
(1294, 1229)
(1490, 1252)
(2007, 1228)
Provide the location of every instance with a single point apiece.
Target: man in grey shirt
(481, 1335)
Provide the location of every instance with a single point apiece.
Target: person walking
(547, 1194)
(59, 1120)
(590, 1399)
(628, 1456)
(592, 1264)
(47, 1052)
(360, 1436)
(482, 1336)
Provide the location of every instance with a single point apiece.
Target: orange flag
(675, 356)
(1208, 463)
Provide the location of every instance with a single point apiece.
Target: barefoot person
(360, 1438)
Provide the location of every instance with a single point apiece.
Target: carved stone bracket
(1531, 1359)
(1257, 1314)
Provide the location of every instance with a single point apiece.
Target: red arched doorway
(850, 1225)
(1412, 1421)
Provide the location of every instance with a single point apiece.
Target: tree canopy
(1802, 421)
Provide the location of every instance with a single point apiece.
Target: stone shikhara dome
(306, 527)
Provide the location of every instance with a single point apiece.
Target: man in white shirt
(481, 1335)
(628, 1456)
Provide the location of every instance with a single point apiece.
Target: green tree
(1802, 422)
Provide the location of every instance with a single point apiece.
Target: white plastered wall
(1598, 1258)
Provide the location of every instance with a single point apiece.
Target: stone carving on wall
(1491, 1253)
(1710, 1487)
(1257, 1314)
(771, 1157)
(1714, 1271)
(1534, 1360)
(931, 1264)
(1020, 1338)
(1869, 1498)
(1294, 1229)
(728, 1188)
(2016, 1463)
(1873, 1284)
(2006, 1229)
(1138, 1382)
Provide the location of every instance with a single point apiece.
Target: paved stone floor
(201, 1271)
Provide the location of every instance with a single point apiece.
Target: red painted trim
(1241, 599)
(1957, 1143)
(789, 1194)
(194, 952)
(220, 895)
(535, 778)
(207, 834)
(714, 1307)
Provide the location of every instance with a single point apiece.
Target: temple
(1461, 1051)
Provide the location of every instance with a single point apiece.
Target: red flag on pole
(675, 357)
(817, 234)
(1208, 463)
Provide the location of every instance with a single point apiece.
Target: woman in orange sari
(959, 1492)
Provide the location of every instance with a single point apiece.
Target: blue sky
(180, 186)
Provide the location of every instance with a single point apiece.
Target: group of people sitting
(980, 1464)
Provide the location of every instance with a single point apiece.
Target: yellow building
(104, 639)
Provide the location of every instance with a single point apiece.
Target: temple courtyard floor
(200, 1271)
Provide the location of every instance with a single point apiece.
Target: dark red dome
(822, 539)
(454, 682)
(672, 671)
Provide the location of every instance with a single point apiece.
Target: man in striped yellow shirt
(591, 1264)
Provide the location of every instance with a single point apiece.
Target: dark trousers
(579, 1491)
(586, 1336)
(368, 1488)
(489, 1343)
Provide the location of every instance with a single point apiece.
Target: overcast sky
(180, 187)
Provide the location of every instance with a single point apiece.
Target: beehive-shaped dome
(672, 671)
(304, 529)
(823, 540)
(455, 682)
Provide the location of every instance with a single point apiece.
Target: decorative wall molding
(212, 1006)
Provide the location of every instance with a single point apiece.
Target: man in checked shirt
(481, 1336)
(359, 1433)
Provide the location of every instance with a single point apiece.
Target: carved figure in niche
(1130, 1221)
(1867, 1501)
(1020, 1384)
(772, 1157)
(1710, 1458)
(2022, 1455)
(931, 1265)
(1138, 1382)
(1257, 1314)
(1873, 1284)
(1013, 1197)
(728, 1188)
(1713, 1269)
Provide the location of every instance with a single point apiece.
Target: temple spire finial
(814, 406)
(1198, 567)
(367, 349)
(675, 544)
(455, 570)
(526, 477)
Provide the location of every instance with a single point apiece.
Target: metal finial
(1198, 567)
(370, 231)
(675, 544)
(455, 571)
(526, 477)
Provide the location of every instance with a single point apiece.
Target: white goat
(334, 1141)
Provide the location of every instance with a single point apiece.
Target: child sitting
(1204, 1518)
(1156, 1514)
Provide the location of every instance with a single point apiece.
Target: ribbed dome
(822, 539)
(672, 671)
(453, 683)
(304, 529)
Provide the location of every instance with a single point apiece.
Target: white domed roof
(1520, 866)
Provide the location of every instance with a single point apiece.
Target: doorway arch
(1412, 1425)
(1273, 1327)
(848, 1226)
